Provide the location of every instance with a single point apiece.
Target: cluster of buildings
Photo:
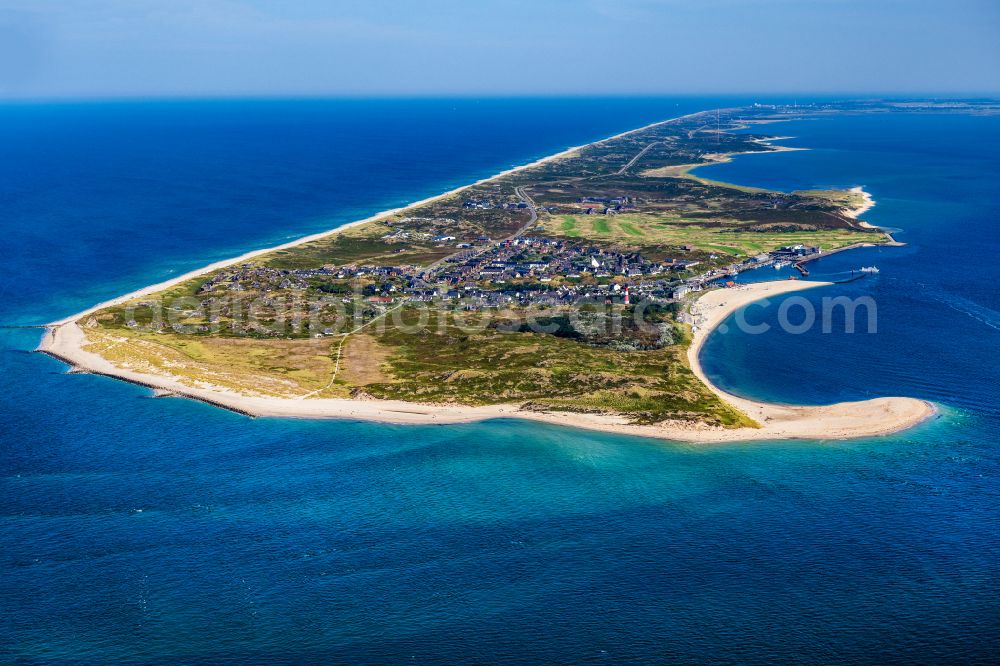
(514, 272)
(490, 204)
(404, 235)
(475, 296)
(796, 251)
(611, 205)
(248, 277)
(779, 258)
(545, 259)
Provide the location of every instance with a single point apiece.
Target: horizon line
(359, 96)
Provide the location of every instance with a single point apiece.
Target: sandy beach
(839, 421)
(867, 204)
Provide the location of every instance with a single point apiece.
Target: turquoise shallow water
(938, 327)
(161, 530)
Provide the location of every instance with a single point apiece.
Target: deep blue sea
(168, 531)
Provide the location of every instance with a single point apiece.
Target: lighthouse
(626, 296)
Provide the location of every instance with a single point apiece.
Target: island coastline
(869, 418)
(65, 340)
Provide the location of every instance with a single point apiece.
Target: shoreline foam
(868, 202)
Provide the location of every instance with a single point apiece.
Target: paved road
(635, 159)
(519, 191)
(524, 227)
(533, 210)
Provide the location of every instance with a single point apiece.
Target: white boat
(868, 269)
(778, 265)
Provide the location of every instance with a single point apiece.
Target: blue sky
(97, 48)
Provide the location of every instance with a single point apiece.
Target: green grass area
(631, 229)
(569, 227)
(736, 240)
(601, 226)
(841, 198)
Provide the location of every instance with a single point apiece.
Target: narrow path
(340, 348)
(533, 217)
(628, 165)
